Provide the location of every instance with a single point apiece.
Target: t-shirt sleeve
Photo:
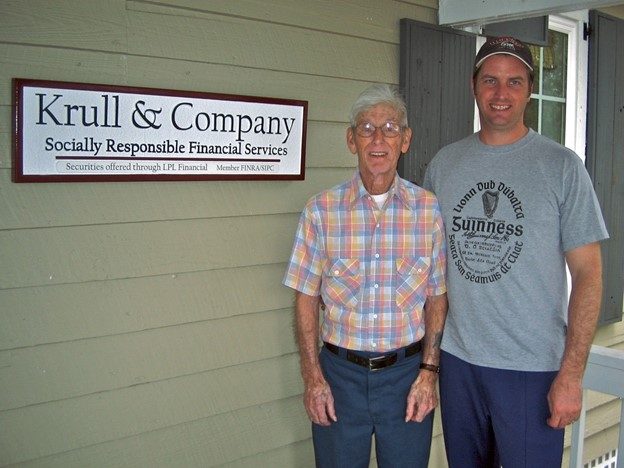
(580, 214)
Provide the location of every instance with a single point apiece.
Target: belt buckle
(373, 362)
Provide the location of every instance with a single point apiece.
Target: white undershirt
(380, 199)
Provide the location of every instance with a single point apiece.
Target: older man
(371, 251)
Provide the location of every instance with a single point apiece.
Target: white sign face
(81, 132)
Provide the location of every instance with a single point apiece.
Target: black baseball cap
(504, 45)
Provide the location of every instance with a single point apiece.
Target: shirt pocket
(412, 275)
(342, 282)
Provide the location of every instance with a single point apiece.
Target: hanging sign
(76, 132)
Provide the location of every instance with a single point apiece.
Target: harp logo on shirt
(485, 238)
(490, 202)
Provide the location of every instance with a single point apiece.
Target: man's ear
(406, 139)
(351, 140)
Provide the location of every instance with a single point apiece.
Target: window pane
(555, 64)
(530, 115)
(536, 52)
(553, 120)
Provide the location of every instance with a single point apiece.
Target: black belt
(374, 363)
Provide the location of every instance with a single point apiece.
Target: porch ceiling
(480, 12)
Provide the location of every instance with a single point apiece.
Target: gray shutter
(605, 149)
(435, 68)
(528, 30)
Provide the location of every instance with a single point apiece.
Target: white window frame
(576, 94)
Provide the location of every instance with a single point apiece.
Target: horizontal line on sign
(134, 158)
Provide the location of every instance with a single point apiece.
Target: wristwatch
(430, 367)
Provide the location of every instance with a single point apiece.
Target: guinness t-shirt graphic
(485, 247)
(510, 213)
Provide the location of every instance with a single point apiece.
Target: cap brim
(480, 62)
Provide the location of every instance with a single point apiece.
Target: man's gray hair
(379, 94)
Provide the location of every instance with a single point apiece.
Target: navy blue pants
(493, 417)
(371, 402)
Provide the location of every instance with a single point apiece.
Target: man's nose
(500, 89)
(378, 134)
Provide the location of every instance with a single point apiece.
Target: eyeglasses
(388, 129)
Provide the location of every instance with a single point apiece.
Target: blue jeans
(493, 417)
(371, 402)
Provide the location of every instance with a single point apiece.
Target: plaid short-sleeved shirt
(373, 268)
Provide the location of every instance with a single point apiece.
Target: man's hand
(319, 402)
(423, 397)
(317, 396)
(565, 397)
(565, 400)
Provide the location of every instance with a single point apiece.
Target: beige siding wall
(144, 324)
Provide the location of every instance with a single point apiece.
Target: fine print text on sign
(76, 132)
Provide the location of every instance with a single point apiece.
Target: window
(546, 112)
(558, 104)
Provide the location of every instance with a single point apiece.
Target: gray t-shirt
(510, 213)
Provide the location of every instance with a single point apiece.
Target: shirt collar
(357, 190)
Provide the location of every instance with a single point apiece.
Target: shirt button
(374, 316)
(374, 345)
(376, 255)
(376, 285)
(336, 272)
(420, 270)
